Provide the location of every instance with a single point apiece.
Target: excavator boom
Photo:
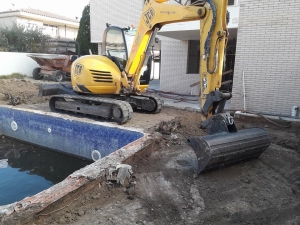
(225, 145)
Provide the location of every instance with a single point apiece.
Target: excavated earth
(262, 191)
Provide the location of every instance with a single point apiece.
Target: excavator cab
(116, 45)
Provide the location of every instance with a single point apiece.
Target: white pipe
(237, 113)
(294, 110)
(244, 90)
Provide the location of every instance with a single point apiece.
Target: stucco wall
(68, 31)
(268, 51)
(13, 62)
(29, 22)
(8, 21)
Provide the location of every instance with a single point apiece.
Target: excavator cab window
(114, 46)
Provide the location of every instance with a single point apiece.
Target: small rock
(173, 137)
(97, 196)
(130, 197)
(81, 213)
(68, 215)
(266, 126)
(131, 191)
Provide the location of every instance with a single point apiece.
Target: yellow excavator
(111, 85)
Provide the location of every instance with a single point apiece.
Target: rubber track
(159, 102)
(125, 106)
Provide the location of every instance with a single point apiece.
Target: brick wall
(268, 51)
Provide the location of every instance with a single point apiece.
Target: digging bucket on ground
(224, 149)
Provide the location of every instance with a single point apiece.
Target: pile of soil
(19, 92)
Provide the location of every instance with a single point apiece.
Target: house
(263, 50)
(60, 28)
(52, 24)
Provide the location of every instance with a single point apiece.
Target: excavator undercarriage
(116, 107)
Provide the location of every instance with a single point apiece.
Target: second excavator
(112, 85)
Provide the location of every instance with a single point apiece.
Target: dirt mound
(19, 91)
(179, 129)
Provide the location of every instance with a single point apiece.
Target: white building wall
(16, 62)
(7, 22)
(173, 76)
(29, 22)
(268, 51)
(71, 30)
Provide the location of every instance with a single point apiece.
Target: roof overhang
(44, 19)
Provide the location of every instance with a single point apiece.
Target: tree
(3, 42)
(84, 34)
(19, 38)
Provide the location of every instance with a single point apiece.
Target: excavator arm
(213, 39)
(225, 145)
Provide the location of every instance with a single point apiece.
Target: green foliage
(13, 75)
(19, 38)
(84, 34)
(3, 42)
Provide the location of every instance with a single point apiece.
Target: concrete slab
(173, 100)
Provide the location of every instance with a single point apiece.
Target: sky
(67, 8)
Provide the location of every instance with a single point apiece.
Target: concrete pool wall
(68, 136)
(74, 136)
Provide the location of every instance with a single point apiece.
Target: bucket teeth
(225, 149)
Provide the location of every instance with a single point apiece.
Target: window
(230, 2)
(199, 2)
(50, 30)
(193, 64)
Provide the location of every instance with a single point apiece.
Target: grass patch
(13, 75)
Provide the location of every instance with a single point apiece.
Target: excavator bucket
(223, 149)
